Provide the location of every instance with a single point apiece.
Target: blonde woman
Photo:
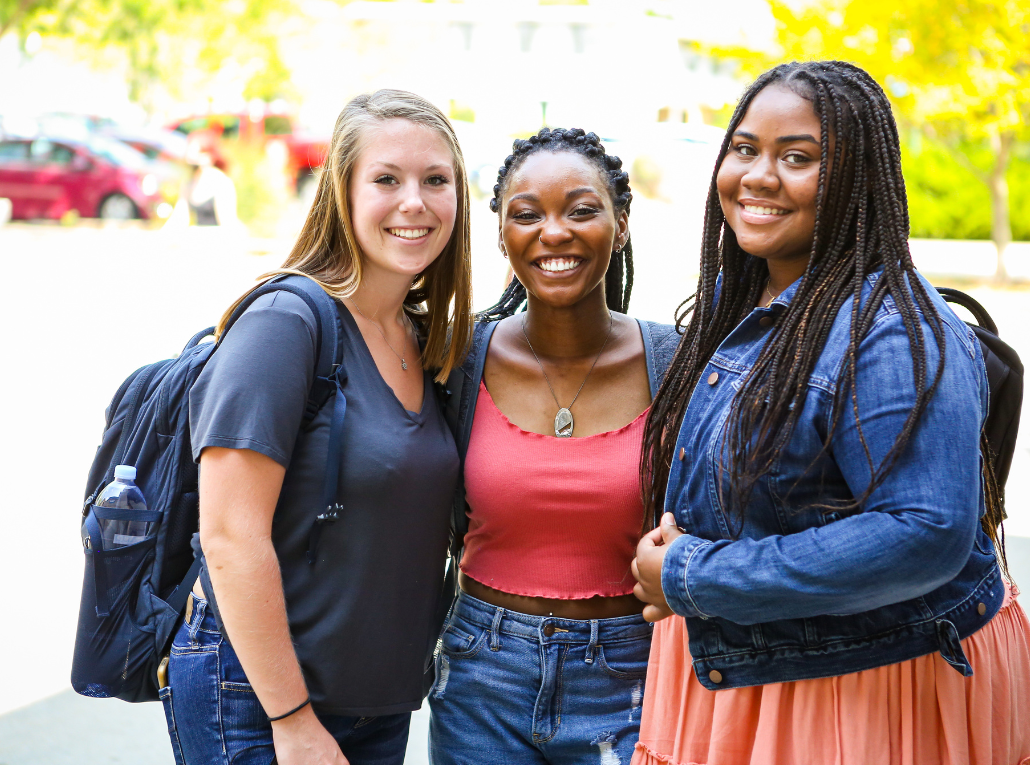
(326, 659)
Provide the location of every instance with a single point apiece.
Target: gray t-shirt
(362, 617)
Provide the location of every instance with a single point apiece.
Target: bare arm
(239, 489)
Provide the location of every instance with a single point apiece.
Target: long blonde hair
(440, 299)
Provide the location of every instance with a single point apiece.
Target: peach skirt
(914, 712)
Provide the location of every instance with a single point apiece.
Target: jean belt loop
(495, 630)
(199, 607)
(592, 645)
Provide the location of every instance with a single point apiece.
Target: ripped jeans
(516, 688)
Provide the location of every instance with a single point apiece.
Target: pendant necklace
(404, 364)
(563, 422)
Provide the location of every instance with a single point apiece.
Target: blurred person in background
(328, 658)
(544, 655)
(825, 577)
(208, 195)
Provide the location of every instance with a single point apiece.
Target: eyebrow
(568, 195)
(781, 139)
(437, 166)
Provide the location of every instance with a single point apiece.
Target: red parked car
(305, 153)
(96, 177)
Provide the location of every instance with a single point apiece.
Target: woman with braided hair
(544, 655)
(826, 548)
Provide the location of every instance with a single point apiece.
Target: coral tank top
(551, 517)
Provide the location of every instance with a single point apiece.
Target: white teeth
(558, 264)
(409, 233)
(764, 210)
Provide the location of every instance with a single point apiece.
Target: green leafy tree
(166, 42)
(957, 70)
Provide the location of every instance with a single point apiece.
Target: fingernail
(669, 519)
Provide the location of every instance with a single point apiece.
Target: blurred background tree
(161, 43)
(958, 74)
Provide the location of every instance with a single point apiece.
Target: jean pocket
(457, 643)
(165, 694)
(627, 660)
(241, 709)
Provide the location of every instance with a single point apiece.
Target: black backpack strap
(970, 304)
(329, 380)
(1004, 380)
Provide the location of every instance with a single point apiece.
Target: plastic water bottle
(123, 494)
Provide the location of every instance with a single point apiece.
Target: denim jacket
(800, 593)
(660, 342)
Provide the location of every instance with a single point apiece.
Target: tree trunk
(1001, 226)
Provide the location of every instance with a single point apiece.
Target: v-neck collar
(355, 331)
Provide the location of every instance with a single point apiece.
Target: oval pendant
(563, 423)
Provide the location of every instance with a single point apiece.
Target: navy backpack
(133, 597)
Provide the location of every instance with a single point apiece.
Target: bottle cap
(123, 472)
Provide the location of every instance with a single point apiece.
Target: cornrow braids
(861, 225)
(618, 280)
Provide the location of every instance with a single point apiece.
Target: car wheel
(118, 207)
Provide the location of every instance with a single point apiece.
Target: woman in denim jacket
(544, 655)
(829, 526)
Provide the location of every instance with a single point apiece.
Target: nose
(762, 174)
(411, 199)
(554, 232)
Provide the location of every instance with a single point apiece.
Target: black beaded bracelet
(292, 711)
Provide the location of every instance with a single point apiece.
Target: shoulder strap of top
(660, 343)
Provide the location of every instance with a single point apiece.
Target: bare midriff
(587, 608)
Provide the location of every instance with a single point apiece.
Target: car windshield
(117, 153)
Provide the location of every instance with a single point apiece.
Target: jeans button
(715, 676)
(981, 609)
(549, 630)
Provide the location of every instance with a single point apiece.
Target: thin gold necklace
(404, 364)
(563, 422)
(772, 297)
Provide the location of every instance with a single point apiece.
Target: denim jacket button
(683, 453)
(715, 676)
(981, 609)
(713, 378)
(766, 321)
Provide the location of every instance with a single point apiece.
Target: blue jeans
(214, 717)
(516, 688)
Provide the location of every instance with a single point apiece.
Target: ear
(500, 242)
(622, 230)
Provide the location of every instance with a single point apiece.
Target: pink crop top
(551, 517)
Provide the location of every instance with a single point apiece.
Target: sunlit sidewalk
(68, 729)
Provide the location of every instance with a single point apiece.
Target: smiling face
(559, 226)
(402, 198)
(769, 179)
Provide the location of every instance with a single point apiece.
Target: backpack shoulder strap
(329, 348)
(329, 379)
(968, 302)
(1004, 380)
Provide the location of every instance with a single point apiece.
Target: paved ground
(86, 306)
(68, 729)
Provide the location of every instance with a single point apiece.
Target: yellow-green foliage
(261, 188)
(945, 199)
